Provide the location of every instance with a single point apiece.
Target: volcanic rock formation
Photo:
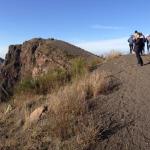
(35, 57)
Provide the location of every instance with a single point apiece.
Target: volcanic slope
(123, 112)
(129, 106)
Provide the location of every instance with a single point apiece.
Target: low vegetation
(70, 122)
(44, 83)
(78, 67)
(55, 78)
(112, 55)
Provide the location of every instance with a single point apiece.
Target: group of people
(137, 44)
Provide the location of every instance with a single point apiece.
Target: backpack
(130, 40)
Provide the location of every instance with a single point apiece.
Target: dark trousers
(131, 48)
(143, 51)
(148, 46)
(139, 58)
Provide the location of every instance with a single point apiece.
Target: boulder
(37, 114)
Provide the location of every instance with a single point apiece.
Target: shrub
(54, 79)
(71, 120)
(44, 83)
(113, 54)
(78, 67)
(26, 84)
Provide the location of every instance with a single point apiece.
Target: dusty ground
(124, 112)
(129, 106)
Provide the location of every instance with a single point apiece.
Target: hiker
(143, 43)
(131, 43)
(148, 43)
(135, 33)
(138, 48)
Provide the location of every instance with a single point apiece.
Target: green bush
(44, 83)
(27, 84)
(79, 67)
(53, 80)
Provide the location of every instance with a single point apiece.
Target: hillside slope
(121, 114)
(36, 57)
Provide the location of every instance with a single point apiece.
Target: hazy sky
(97, 25)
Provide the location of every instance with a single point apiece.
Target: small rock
(37, 113)
(9, 108)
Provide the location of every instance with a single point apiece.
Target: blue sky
(96, 25)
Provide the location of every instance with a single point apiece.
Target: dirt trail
(129, 106)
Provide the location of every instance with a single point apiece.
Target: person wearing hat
(138, 47)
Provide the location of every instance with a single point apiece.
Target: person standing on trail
(138, 41)
(135, 33)
(131, 43)
(148, 43)
(144, 40)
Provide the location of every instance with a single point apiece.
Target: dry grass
(70, 123)
(113, 54)
(73, 123)
(93, 64)
(79, 91)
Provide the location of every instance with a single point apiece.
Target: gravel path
(129, 105)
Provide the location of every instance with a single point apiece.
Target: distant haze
(105, 46)
(98, 47)
(3, 51)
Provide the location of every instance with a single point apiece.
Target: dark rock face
(1, 63)
(35, 57)
(10, 72)
(1, 60)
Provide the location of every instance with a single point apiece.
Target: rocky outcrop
(10, 72)
(1, 60)
(35, 57)
(1, 64)
(43, 55)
